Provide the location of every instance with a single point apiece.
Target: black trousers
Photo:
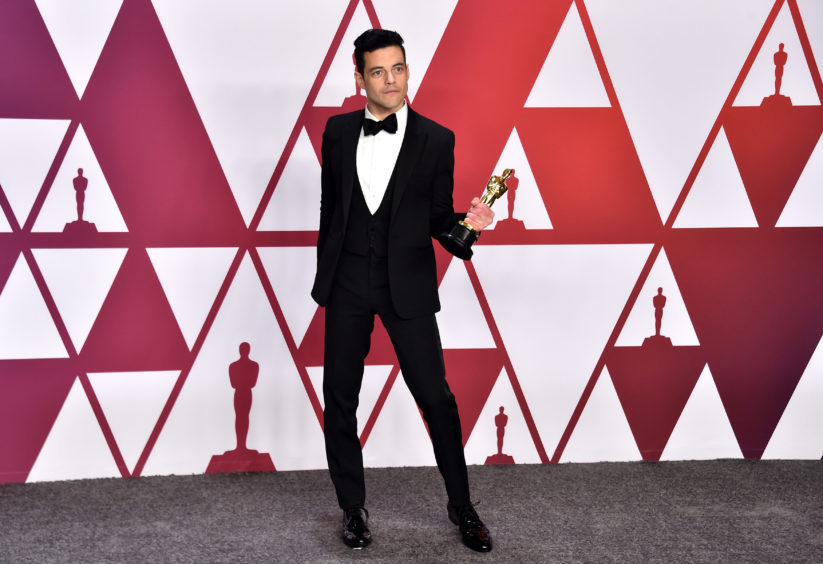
(361, 291)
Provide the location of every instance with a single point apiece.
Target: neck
(383, 113)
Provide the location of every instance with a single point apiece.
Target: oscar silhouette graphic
(510, 224)
(659, 302)
(243, 377)
(777, 99)
(500, 421)
(80, 226)
(653, 382)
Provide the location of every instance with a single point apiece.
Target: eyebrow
(372, 69)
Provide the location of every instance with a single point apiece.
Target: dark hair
(372, 40)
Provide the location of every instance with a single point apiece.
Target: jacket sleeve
(443, 217)
(327, 192)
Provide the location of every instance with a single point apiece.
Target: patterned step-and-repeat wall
(652, 287)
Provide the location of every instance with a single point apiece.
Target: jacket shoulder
(340, 121)
(433, 128)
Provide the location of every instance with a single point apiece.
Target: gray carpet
(717, 511)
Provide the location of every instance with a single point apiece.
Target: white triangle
(27, 150)
(295, 203)
(60, 206)
(249, 66)
(282, 420)
(75, 448)
(569, 77)
(797, 80)
(805, 205)
(79, 281)
(602, 433)
(422, 24)
(191, 278)
(676, 323)
(555, 307)
(718, 197)
(461, 321)
(132, 403)
(703, 431)
(670, 80)
(528, 203)
(79, 30)
(291, 273)
(517, 440)
(4, 223)
(374, 379)
(812, 13)
(339, 83)
(399, 436)
(27, 329)
(798, 434)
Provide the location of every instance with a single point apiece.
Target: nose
(390, 77)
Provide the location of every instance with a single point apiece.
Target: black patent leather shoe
(475, 534)
(356, 532)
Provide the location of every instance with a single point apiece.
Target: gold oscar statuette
(460, 239)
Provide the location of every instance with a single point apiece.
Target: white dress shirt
(376, 157)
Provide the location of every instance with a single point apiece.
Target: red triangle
(150, 141)
(7, 260)
(35, 83)
(310, 352)
(482, 117)
(32, 393)
(772, 146)
(653, 383)
(755, 297)
(586, 168)
(471, 374)
(135, 329)
(310, 349)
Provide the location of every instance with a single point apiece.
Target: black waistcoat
(366, 231)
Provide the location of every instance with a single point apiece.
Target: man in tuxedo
(386, 191)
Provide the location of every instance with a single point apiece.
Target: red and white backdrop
(651, 151)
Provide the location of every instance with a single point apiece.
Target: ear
(361, 83)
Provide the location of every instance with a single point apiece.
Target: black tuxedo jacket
(421, 208)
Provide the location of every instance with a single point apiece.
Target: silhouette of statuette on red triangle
(511, 225)
(653, 383)
(80, 226)
(243, 376)
(777, 99)
(500, 421)
(657, 340)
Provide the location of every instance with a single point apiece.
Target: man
(386, 190)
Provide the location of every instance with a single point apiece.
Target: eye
(399, 69)
(377, 73)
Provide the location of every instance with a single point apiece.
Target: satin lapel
(410, 153)
(348, 163)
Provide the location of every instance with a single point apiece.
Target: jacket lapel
(348, 161)
(410, 152)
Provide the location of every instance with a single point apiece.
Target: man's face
(385, 79)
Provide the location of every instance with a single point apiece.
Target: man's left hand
(479, 215)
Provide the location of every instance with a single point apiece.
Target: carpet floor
(713, 511)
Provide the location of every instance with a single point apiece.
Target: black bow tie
(389, 125)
